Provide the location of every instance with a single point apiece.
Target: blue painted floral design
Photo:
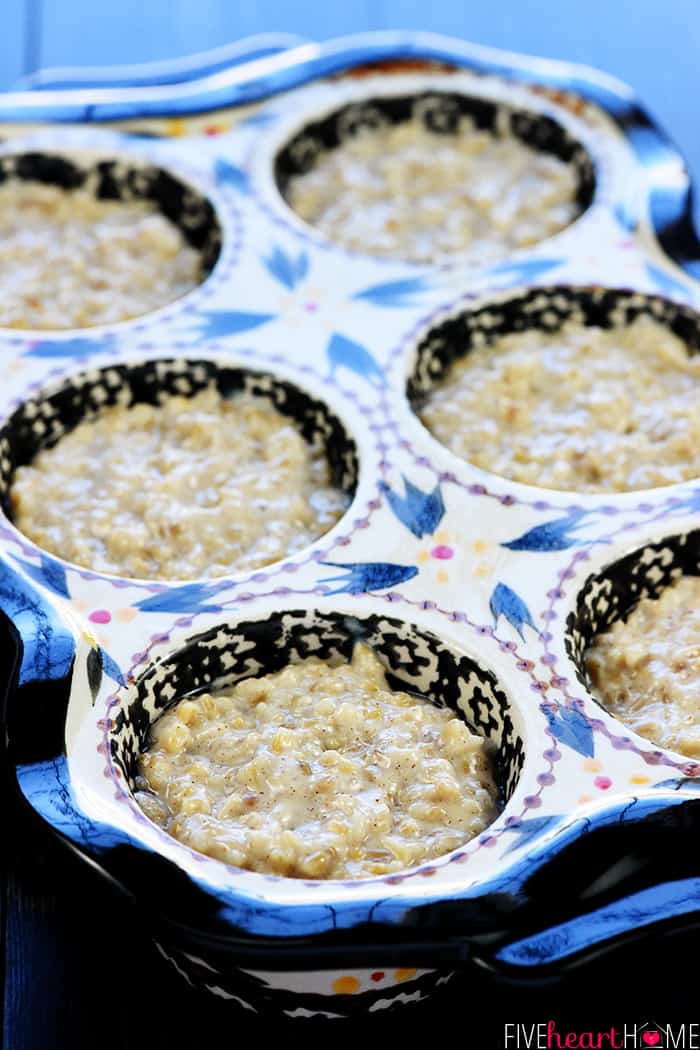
(525, 830)
(421, 512)
(217, 324)
(368, 576)
(289, 270)
(666, 282)
(625, 216)
(571, 728)
(49, 572)
(228, 174)
(394, 294)
(190, 598)
(557, 535)
(79, 346)
(525, 270)
(345, 353)
(47, 645)
(111, 668)
(505, 602)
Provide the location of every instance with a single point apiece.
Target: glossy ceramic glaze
(479, 592)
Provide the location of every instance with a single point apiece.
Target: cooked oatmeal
(406, 191)
(196, 487)
(647, 671)
(583, 409)
(317, 772)
(69, 260)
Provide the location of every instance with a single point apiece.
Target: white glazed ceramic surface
(344, 328)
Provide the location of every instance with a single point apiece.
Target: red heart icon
(651, 1038)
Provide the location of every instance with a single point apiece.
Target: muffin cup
(432, 557)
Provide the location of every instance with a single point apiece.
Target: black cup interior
(116, 179)
(42, 421)
(546, 309)
(441, 112)
(613, 593)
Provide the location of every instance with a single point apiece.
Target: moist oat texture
(583, 409)
(69, 260)
(317, 772)
(646, 671)
(406, 191)
(193, 488)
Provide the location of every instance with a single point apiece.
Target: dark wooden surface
(78, 968)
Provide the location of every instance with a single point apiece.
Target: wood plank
(15, 47)
(134, 31)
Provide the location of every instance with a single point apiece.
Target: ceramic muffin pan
(479, 593)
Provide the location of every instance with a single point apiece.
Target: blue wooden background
(654, 45)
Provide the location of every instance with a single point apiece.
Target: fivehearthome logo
(647, 1035)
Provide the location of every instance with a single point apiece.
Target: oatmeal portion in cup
(410, 191)
(317, 771)
(96, 245)
(645, 670)
(584, 408)
(192, 487)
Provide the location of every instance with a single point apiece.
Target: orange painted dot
(126, 615)
(442, 536)
(406, 973)
(79, 604)
(442, 576)
(584, 798)
(482, 569)
(346, 985)
(478, 546)
(592, 765)
(639, 778)
(422, 556)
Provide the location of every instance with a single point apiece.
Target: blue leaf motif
(394, 293)
(111, 668)
(287, 269)
(666, 282)
(421, 512)
(571, 728)
(525, 269)
(344, 353)
(77, 347)
(552, 536)
(525, 830)
(505, 602)
(625, 217)
(219, 323)
(190, 598)
(228, 174)
(48, 572)
(368, 576)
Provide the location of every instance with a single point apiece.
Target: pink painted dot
(603, 783)
(443, 552)
(311, 307)
(100, 616)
